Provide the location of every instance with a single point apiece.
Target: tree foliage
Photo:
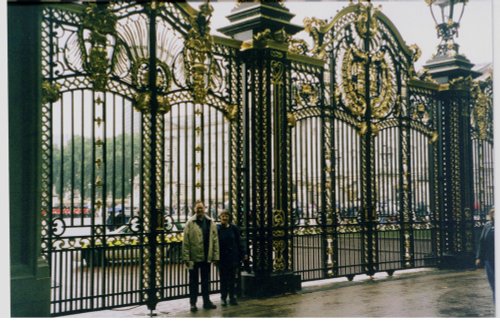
(75, 169)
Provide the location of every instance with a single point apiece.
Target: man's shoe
(194, 308)
(224, 302)
(209, 305)
(233, 302)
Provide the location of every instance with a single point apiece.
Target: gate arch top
(108, 47)
(358, 13)
(369, 60)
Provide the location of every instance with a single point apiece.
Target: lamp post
(454, 157)
(447, 15)
(447, 64)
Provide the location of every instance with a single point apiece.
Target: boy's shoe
(209, 305)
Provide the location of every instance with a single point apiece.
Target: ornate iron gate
(140, 119)
(329, 158)
(364, 167)
(482, 153)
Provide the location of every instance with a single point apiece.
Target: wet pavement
(407, 294)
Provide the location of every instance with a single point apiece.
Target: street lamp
(447, 15)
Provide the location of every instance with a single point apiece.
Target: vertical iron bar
(151, 291)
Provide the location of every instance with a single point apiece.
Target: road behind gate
(407, 294)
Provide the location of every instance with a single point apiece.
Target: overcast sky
(411, 17)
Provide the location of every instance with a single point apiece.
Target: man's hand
(478, 262)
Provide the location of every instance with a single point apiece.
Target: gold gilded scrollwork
(298, 46)
(262, 36)
(277, 71)
(309, 93)
(364, 29)
(140, 79)
(260, 39)
(99, 43)
(231, 111)
(382, 92)
(291, 119)
(481, 113)
(420, 113)
(197, 53)
(416, 52)
(383, 96)
(306, 95)
(143, 103)
(363, 128)
(50, 92)
(278, 218)
(280, 36)
(279, 258)
(314, 27)
(353, 73)
(425, 76)
(278, 222)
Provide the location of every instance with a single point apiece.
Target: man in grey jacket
(200, 247)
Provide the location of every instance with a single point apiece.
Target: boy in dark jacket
(232, 252)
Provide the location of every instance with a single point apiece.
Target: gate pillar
(454, 73)
(30, 280)
(264, 29)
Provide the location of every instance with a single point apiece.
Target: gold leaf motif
(314, 27)
(101, 22)
(280, 36)
(434, 138)
(382, 89)
(142, 101)
(262, 36)
(231, 111)
(50, 92)
(298, 46)
(163, 104)
(197, 52)
(362, 21)
(416, 52)
(291, 119)
(363, 128)
(278, 218)
(279, 260)
(481, 113)
(277, 71)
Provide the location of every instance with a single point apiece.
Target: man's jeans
(204, 268)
